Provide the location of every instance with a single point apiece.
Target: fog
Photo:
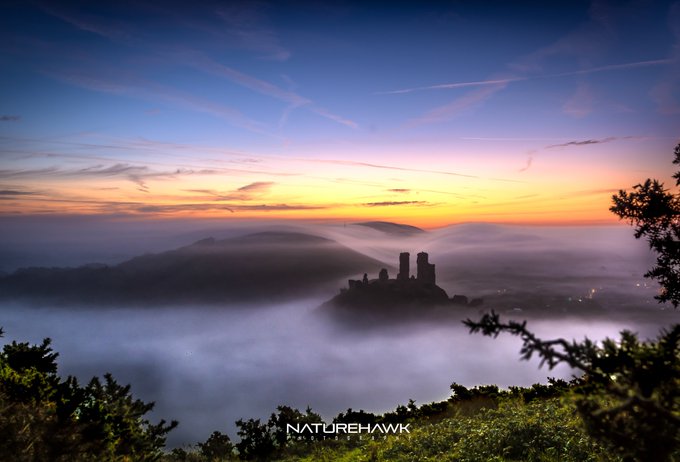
(208, 367)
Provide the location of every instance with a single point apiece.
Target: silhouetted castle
(425, 272)
(420, 289)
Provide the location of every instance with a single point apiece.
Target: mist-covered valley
(209, 364)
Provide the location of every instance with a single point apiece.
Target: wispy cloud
(258, 186)
(15, 192)
(580, 104)
(580, 43)
(137, 174)
(385, 167)
(140, 151)
(336, 118)
(399, 190)
(393, 203)
(455, 107)
(233, 208)
(448, 86)
(244, 25)
(10, 118)
(86, 23)
(505, 81)
(154, 92)
(585, 142)
(530, 160)
(210, 66)
(294, 100)
(247, 23)
(665, 93)
(250, 192)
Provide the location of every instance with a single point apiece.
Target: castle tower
(425, 273)
(404, 266)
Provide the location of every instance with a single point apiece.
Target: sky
(430, 114)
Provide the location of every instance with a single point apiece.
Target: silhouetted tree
(257, 440)
(655, 213)
(287, 415)
(629, 398)
(45, 418)
(218, 447)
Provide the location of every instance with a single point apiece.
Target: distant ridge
(392, 228)
(260, 267)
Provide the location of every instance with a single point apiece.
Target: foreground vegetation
(484, 423)
(46, 418)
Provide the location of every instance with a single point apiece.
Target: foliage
(257, 440)
(655, 214)
(260, 441)
(218, 446)
(545, 429)
(630, 392)
(541, 430)
(45, 418)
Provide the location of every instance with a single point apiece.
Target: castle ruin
(425, 269)
(425, 274)
(405, 290)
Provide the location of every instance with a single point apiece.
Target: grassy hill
(482, 424)
(260, 267)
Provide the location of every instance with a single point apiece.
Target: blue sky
(441, 112)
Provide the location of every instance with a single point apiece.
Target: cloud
(247, 25)
(399, 190)
(336, 118)
(26, 173)
(455, 107)
(294, 100)
(530, 160)
(386, 167)
(210, 66)
(246, 193)
(280, 207)
(137, 174)
(580, 104)
(258, 186)
(175, 208)
(233, 208)
(594, 192)
(666, 93)
(391, 203)
(508, 80)
(10, 118)
(583, 43)
(448, 86)
(150, 91)
(585, 142)
(11, 193)
(104, 28)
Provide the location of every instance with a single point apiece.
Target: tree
(218, 446)
(655, 214)
(45, 418)
(629, 395)
(257, 440)
(288, 415)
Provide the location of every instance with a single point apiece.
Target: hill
(260, 267)
(395, 229)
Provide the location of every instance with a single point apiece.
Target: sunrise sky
(427, 114)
